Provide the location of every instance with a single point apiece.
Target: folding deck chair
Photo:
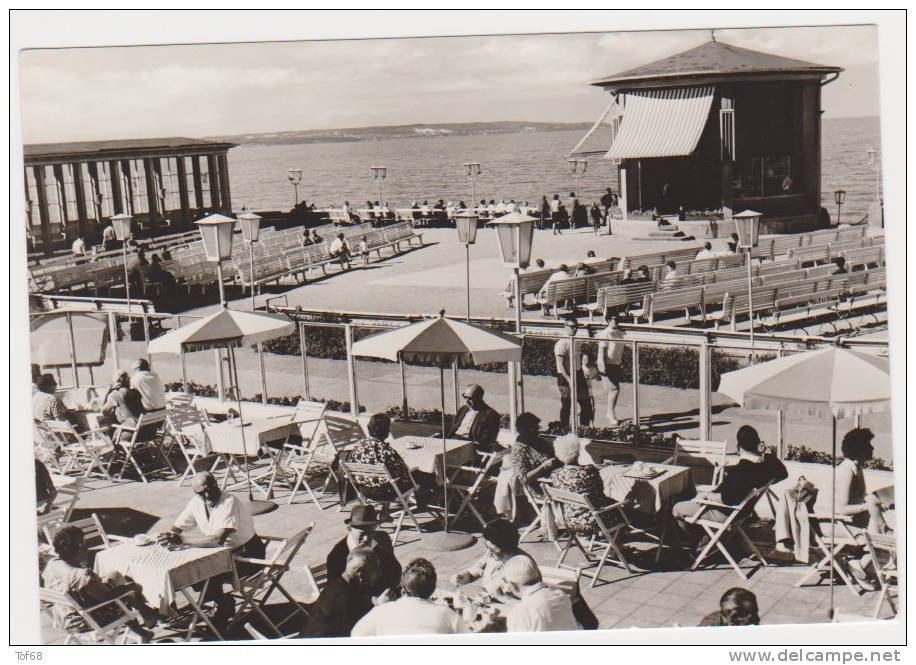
(147, 433)
(560, 499)
(886, 571)
(64, 502)
(254, 588)
(830, 547)
(183, 419)
(82, 451)
(712, 453)
(351, 470)
(736, 516)
(468, 481)
(91, 631)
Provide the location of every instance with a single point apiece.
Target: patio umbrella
(832, 382)
(69, 339)
(443, 341)
(227, 329)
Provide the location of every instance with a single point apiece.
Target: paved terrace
(655, 595)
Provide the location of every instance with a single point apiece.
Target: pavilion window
(52, 195)
(104, 180)
(169, 187)
(727, 131)
(205, 176)
(33, 219)
(69, 190)
(139, 204)
(762, 177)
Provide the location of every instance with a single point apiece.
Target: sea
(523, 166)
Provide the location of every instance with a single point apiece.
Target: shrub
(674, 367)
(210, 391)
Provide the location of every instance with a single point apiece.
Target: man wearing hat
(362, 531)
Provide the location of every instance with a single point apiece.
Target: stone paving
(653, 596)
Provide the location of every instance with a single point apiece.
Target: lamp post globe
(747, 224)
(121, 224)
(216, 233)
(295, 177)
(839, 196)
(466, 225)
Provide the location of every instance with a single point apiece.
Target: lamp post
(378, 174)
(251, 229)
(216, 233)
(295, 177)
(471, 171)
(466, 223)
(840, 197)
(748, 227)
(515, 233)
(121, 224)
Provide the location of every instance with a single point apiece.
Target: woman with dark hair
(375, 449)
(413, 613)
(68, 574)
(529, 458)
(737, 607)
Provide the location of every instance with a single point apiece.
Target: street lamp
(251, 229)
(515, 233)
(748, 227)
(216, 233)
(471, 171)
(295, 177)
(379, 173)
(466, 223)
(121, 224)
(840, 197)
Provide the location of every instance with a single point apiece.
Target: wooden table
(424, 453)
(648, 495)
(162, 572)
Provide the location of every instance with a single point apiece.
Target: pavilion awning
(598, 139)
(662, 123)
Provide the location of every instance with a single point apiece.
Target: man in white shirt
(222, 521)
(669, 280)
(540, 608)
(108, 237)
(147, 382)
(340, 250)
(501, 207)
(413, 613)
(78, 247)
(610, 358)
(561, 352)
(561, 273)
(705, 253)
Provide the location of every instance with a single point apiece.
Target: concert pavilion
(713, 128)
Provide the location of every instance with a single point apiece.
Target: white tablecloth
(160, 571)
(648, 495)
(226, 437)
(427, 456)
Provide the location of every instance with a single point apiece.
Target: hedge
(648, 435)
(674, 367)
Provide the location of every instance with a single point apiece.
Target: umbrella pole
(444, 469)
(256, 507)
(832, 511)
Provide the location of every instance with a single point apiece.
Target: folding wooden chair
(183, 421)
(830, 547)
(48, 449)
(560, 499)
(94, 535)
(147, 433)
(64, 502)
(89, 630)
(689, 452)
(543, 517)
(734, 521)
(82, 451)
(254, 588)
(886, 570)
(379, 472)
(468, 481)
(295, 464)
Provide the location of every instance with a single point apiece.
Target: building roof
(120, 149)
(714, 60)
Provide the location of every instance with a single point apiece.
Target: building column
(114, 175)
(94, 178)
(225, 196)
(213, 171)
(129, 194)
(80, 194)
(43, 216)
(198, 182)
(58, 171)
(183, 193)
(727, 190)
(152, 194)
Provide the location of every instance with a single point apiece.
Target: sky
(220, 89)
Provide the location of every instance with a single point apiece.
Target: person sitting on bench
(340, 250)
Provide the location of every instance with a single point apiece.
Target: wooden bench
(620, 297)
(686, 300)
(658, 258)
(863, 257)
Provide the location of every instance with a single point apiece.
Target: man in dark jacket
(345, 599)
(362, 532)
(754, 469)
(476, 421)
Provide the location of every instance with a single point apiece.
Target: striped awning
(661, 123)
(599, 138)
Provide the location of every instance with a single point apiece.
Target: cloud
(275, 86)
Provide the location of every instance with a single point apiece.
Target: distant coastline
(424, 130)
